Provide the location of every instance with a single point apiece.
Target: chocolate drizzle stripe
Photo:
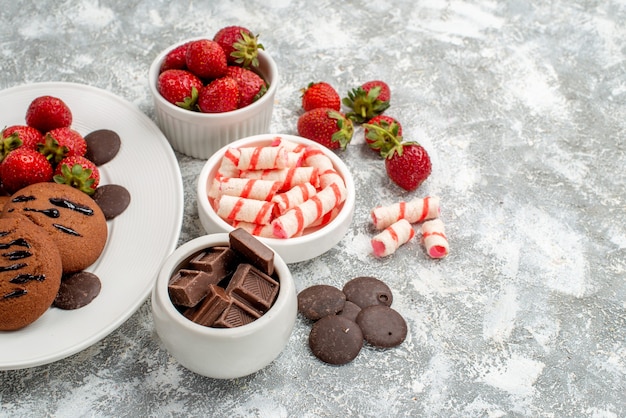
(22, 198)
(50, 213)
(13, 267)
(64, 203)
(17, 255)
(66, 230)
(20, 242)
(25, 278)
(15, 294)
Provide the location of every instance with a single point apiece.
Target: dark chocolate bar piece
(253, 250)
(253, 286)
(206, 312)
(188, 287)
(219, 261)
(237, 314)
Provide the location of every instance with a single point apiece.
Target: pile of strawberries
(45, 149)
(213, 75)
(407, 163)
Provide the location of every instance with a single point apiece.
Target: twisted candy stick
(291, 146)
(266, 230)
(392, 237)
(228, 165)
(233, 208)
(330, 176)
(325, 220)
(434, 238)
(293, 197)
(296, 219)
(295, 159)
(262, 158)
(249, 188)
(288, 176)
(315, 157)
(416, 210)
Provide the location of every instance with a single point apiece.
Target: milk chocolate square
(219, 261)
(253, 250)
(237, 313)
(188, 287)
(253, 286)
(206, 312)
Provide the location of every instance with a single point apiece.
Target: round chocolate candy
(335, 339)
(319, 300)
(77, 290)
(113, 199)
(102, 146)
(382, 326)
(350, 310)
(366, 291)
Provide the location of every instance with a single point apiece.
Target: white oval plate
(139, 239)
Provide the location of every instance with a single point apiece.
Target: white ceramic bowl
(292, 250)
(198, 134)
(223, 353)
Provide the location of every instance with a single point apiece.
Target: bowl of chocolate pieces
(224, 305)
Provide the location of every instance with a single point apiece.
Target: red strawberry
(384, 94)
(176, 59)
(27, 134)
(78, 172)
(251, 85)
(179, 87)
(206, 59)
(220, 95)
(47, 112)
(408, 165)
(326, 126)
(382, 132)
(240, 46)
(368, 100)
(60, 143)
(22, 167)
(320, 94)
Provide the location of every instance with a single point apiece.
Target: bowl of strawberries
(208, 92)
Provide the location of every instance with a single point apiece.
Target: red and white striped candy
(325, 220)
(289, 177)
(261, 158)
(249, 188)
(289, 145)
(295, 220)
(314, 157)
(416, 210)
(228, 165)
(293, 197)
(392, 237)
(330, 176)
(233, 208)
(434, 238)
(266, 230)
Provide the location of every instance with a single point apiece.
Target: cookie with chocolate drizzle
(30, 272)
(72, 218)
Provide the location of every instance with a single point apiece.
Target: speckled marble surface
(522, 106)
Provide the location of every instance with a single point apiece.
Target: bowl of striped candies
(293, 194)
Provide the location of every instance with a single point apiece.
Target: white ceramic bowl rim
(185, 251)
(154, 74)
(303, 239)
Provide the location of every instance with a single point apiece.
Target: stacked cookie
(47, 231)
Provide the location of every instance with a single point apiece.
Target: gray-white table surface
(522, 107)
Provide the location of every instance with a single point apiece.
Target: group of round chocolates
(345, 318)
